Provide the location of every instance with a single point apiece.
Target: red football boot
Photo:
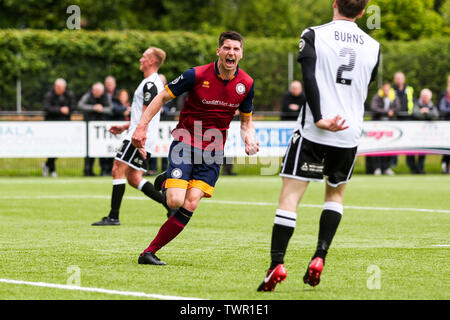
(274, 276)
(312, 275)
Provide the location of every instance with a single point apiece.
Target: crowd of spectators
(105, 101)
(102, 102)
(399, 103)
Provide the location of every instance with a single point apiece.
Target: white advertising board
(102, 143)
(71, 139)
(41, 139)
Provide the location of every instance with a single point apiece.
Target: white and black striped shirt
(339, 61)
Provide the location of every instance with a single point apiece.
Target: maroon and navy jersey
(211, 102)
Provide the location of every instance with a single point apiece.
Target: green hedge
(84, 57)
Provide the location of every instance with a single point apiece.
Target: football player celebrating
(339, 61)
(215, 92)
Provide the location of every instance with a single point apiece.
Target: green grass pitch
(224, 251)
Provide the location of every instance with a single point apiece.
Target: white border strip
(250, 203)
(96, 290)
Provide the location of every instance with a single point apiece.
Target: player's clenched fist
(139, 137)
(251, 147)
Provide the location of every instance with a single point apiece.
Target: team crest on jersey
(176, 173)
(240, 88)
(301, 45)
(205, 84)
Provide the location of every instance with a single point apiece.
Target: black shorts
(130, 155)
(310, 161)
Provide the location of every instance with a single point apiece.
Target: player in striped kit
(339, 61)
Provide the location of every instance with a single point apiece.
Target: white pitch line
(441, 245)
(97, 290)
(250, 203)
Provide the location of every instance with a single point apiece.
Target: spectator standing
(59, 103)
(117, 110)
(96, 105)
(292, 102)
(405, 94)
(423, 110)
(122, 108)
(111, 88)
(384, 106)
(120, 104)
(444, 108)
(443, 93)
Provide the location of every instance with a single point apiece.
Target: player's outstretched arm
(140, 134)
(332, 125)
(248, 135)
(119, 129)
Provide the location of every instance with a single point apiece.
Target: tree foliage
(407, 20)
(84, 57)
(401, 19)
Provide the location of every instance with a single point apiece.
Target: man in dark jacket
(118, 110)
(424, 109)
(385, 104)
(59, 103)
(405, 94)
(97, 106)
(292, 102)
(444, 108)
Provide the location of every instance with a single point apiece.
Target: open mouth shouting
(230, 62)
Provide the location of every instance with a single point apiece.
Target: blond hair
(159, 54)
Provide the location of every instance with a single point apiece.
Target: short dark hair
(231, 35)
(351, 8)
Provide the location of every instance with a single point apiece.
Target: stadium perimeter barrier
(77, 139)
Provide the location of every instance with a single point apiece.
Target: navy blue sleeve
(375, 69)
(183, 83)
(307, 58)
(246, 107)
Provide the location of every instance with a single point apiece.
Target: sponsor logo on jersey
(176, 173)
(220, 103)
(240, 88)
(147, 96)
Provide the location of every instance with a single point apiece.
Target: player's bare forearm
(153, 108)
(248, 135)
(119, 129)
(148, 113)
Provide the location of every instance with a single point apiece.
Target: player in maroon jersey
(215, 92)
